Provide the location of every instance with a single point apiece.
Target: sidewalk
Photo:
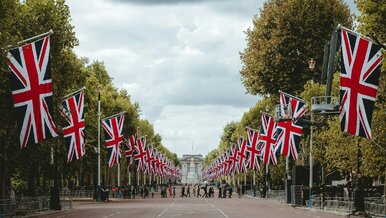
(339, 213)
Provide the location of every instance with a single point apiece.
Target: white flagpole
(129, 177)
(74, 92)
(36, 37)
(119, 174)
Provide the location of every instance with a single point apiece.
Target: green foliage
(31, 167)
(372, 19)
(285, 35)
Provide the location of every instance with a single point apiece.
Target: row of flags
(31, 86)
(148, 159)
(359, 77)
(274, 138)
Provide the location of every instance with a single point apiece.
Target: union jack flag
(140, 154)
(288, 133)
(32, 90)
(72, 110)
(241, 154)
(149, 160)
(156, 161)
(267, 139)
(129, 151)
(253, 151)
(359, 78)
(298, 106)
(233, 166)
(114, 138)
(288, 138)
(163, 165)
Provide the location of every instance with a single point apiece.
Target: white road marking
(222, 212)
(166, 209)
(112, 214)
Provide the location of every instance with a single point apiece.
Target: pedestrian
(152, 192)
(182, 191)
(205, 195)
(238, 191)
(219, 192)
(170, 191)
(133, 192)
(194, 191)
(188, 191)
(174, 191)
(198, 191)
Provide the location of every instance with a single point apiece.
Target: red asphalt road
(188, 207)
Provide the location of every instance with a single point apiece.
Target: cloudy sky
(178, 58)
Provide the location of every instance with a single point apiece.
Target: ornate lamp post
(311, 66)
(99, 89)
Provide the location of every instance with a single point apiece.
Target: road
(188, 207)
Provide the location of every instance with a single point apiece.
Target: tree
(372, 19)
(285, 35)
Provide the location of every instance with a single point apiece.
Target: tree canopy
(286, 34)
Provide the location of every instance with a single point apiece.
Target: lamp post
(266, 167)
(311, 66)
(99, 88)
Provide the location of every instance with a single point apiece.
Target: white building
(192, 165)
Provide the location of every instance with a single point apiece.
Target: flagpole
(114, 115)
(36, 37)
(311, 168)
(266, 180)
(129, 176)
(74, 92)
(119, 178)
(138, 175)
(254, 178)
(297, 98)
(287, 185)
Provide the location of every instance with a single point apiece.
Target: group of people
(169, 191)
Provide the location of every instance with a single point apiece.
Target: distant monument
(192, 175)
(192, 165)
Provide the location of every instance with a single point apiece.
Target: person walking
(194, 191)
(133, 192)
(198, 191)
(182, 191)
(205, 195)
(238, 190)
(188, 191)
(174, 191)
(170, 191)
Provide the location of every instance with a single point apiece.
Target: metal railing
(6, 208)
(78, 193)
(375, 206)
(32, 204)
(341, 204)
(324, 104)
(296, 195)
(277, 194)
(27, 205)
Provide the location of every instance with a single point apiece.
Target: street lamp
(99, 89)
(311, 66)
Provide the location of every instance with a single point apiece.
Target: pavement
(187, 207)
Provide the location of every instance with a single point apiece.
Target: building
(192, 165)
